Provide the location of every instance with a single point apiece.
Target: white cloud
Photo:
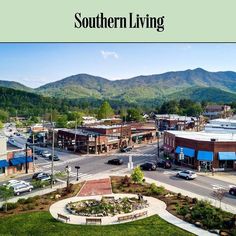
(107, 54)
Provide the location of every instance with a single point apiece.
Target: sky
(35, 64)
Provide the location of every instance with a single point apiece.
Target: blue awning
(20, 160)
(187, 151)
(205, 156)
(227, 156)
(3, 163)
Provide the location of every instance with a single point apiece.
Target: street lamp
(68, 170)
(77, 175)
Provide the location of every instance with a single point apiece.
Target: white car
(21, 188)
(46, 154)
(187, 174)
(14, 182)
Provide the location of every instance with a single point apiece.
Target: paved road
(91, 165)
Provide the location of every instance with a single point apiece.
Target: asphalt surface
(90, 165)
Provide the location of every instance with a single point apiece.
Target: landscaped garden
(107, 206)
(198, 212)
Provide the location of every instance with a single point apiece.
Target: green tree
(62, 121)
(75, 116)
(5, 194)
(4, 116)
(105, 111)
(170, 107)
(123, 114)
(194, 110)
(133, 114)
(137, 175)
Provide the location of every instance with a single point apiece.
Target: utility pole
(52, 161)
(75, 134)
(26, 158)
(33, 155)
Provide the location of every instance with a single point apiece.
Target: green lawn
(41, 223)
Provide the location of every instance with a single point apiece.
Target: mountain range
(197, 84)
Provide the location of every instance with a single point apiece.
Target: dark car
(164, 164)
(148, 166)
(55, 158)
(232, 191)
(38, 152)
(115, 161)
(43, 177)
(126, 149)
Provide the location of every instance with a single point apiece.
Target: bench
(93, 221)
(127, 217)
(140, 214)
(63, 217)
(133, 216)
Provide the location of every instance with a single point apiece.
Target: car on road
(126, 149)
(14, 182)
(164, 164)
(55, 157)
(38, 152)
(21, 188)
(148, 166)
(232, 191)
(117, 161)
(187, 174)
(43, 177)
(46, 154)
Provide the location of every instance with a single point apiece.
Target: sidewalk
(156, 207)
(229, 177)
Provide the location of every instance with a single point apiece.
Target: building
(202, 150)
(221, 126)
(103, 138)
(13, 159)
(217, 111)
(38, 128)
(176, 122)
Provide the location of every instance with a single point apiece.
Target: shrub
(184, 210)
(21, 200)
(157, 190)
(137, 175)
(179, 195)
(30, 206)
(126, 181)
(194, 200)
(9, 206)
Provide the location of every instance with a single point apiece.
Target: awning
(205, 156)
(3, 163)
(187, 151)
(20, 160)
(227, 156)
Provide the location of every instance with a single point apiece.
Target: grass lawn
(41, 223)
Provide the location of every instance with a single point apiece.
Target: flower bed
(106, 206)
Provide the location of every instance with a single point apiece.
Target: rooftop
(205, 136)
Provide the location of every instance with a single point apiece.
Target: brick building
(202, 150)
(13, 159)
(104, 138)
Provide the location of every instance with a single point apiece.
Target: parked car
(21, 188)
(117, 161)
(38, 151)
(126, 149)
(46, 154)
(55, 157)
(232, 191)
(148, 166)
(164, 164)
(187, 174)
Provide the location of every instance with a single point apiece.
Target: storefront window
(2, 170)
(19, 167)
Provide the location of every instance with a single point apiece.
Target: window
(19, 167)
(2, 170)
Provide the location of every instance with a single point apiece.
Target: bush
(184, 210)
(40, 184)
(30, 206)
(126, 181)
(137, 175)
(157, 190)
(9, 206)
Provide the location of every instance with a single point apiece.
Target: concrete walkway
(156, 207)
